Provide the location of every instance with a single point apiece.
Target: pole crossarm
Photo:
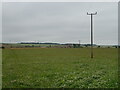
(91, 13)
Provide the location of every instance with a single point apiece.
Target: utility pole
(91, 31)
(79, 43)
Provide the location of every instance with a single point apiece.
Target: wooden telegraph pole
(91, 31)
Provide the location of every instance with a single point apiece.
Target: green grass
(60, 67)
(0, 68)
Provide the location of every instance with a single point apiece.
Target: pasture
(0, 68)
(59, 67)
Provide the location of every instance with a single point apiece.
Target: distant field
(60, 67)
(32, 45)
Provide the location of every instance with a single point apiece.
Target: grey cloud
(59, 22)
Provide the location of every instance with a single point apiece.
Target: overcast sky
(59, 22)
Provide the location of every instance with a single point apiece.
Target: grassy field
(0, 68)
(60, 67)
